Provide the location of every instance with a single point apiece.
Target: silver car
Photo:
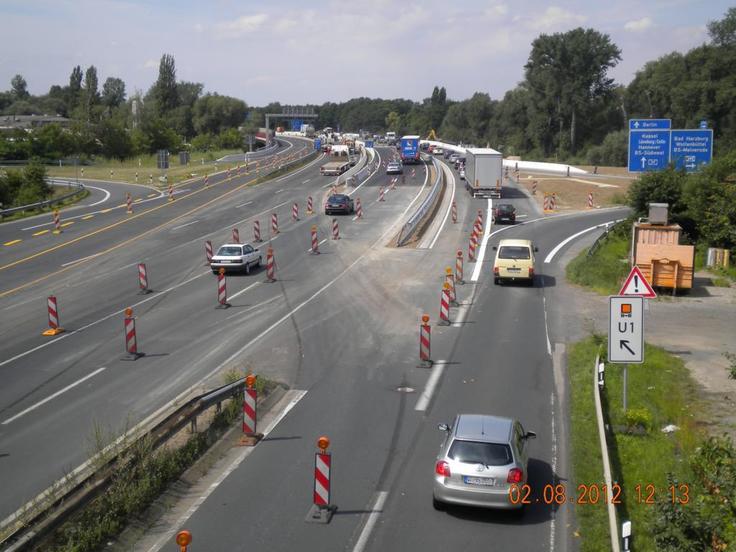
(236, 256)
(480, 459)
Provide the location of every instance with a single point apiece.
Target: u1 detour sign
(626, 329)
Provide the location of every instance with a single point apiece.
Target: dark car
(505, 212)
(339, 203)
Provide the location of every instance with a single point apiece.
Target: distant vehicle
(410, 149)
(334, 168)
(514, 261)
(454, 157)
(236, 256)
(484, 169)
(448, 153)
(504, 212)
(462, 173)
(437, 150)
(390, 137)
(481, 458)
(339, 203)
(459, 162)
(394, 168)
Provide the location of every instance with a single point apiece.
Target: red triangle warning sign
(636, 284)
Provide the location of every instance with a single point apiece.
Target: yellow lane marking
(67, 224)
(40, 233)
(106, 210)
(87, 217)
(123, 205)
(137, 200)
(152, 195)
(12, 242)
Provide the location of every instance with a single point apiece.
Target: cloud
(555, 17)
(150, 64)
(638, 25)
(284, 25)
(495, 10)
(244, 24)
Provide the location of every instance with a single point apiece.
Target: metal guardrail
(411, 225)
(602, 238)
(51, 508)
(47, 203)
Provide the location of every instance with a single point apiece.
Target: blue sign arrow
(649, 150)
(691, 149)
(703, 124)
(650, 124)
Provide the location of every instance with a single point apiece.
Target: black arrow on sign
(624, 344)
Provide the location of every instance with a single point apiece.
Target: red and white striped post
(295, 212)
(250, 397)
(310, 209)
(590, 200)
(270, 266)
(315, 242)
(274, 224)
(333, 190)
(480, 216)
(478, 227)
(380, 194)
(425, 336)
(143, 279)
(450, 280)
(221, 290)
(335, 230)
(206, 180)
(131, 340)
(445, 305)
(208, 251)
(53, 313)
(257, 231)
(322, 509)
(129, 203)
(393, 183)
(472, 246)
(554, 201)
(238, 169)
(228, 173)
(413, 173)
(534, 187)
(57, 222)
(459, 268)
(236, 235)
(358, 208)
(171, 192)
(454, 212)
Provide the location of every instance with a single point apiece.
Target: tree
(116, 142)
(214, 113)
(723, 32)
(164, 90)
(393, 122)
(34, 188)
(75, 87)
(91, 96)
(113, 93)
(19, 87)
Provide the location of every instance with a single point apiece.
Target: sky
(298, 52)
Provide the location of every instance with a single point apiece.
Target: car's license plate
(514, 269)
(485, 481)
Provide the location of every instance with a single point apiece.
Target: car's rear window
(473, 452)
(226, 251)
(514, 252)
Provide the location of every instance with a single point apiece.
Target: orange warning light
(322, 444)
(626, 308)
(183, 538)
(446, 285)
(425, 319)
(222, 271)
(448, 271)
(128, 312)
(250, 381)
(459, 253)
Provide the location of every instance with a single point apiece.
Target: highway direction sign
(650, 124)
(649, 150)
(626, 330)
(636, 284)
(689, 149)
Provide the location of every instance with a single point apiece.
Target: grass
(58, 192)
(607, 267)
(200, 163)
(662, 387)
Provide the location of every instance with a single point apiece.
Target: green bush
(638, 419)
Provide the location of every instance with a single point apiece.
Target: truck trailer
(410, 149)
(483, 172)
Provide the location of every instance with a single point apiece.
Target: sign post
(626, 333)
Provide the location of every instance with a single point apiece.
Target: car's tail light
(515, 475)
(442, 468)
(495, 270)
(531, 272)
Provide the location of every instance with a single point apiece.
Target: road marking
(80, 260)
(462, 312)
(279, 191)
(375, 510)
(554, 468)
(137, 200)
(243, 204)
(320, 243)
(242, 291)
(307, 180)
(67, 224)
(42, 232)
(294, 397)
(152, 195)
(486, 236)
(546, 326)
(12, 242)
(103, 200)
(187, 224)
(87, 217)
(53, 396)
(563, 243)
(254, 307)
(434, 378)
(106, 210)
(447, 214)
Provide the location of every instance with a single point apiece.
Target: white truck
(483, 172)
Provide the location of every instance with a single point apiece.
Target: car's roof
(504, 206)
(483, 427)
(338, 196)
(527, 243)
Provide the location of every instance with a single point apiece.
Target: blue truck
(410, 149)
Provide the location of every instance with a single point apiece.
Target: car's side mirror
(443, 427)
(536, 249)
(495, 248)
(530, 435)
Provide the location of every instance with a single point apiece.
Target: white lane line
(103, 200)
(254, 307)
(243, 204)
(183, 225)
(294, 397)
(320, 243)
(554, 470)
(103, 319)
(546, 326)
(378, 168)
(462, 312)
(447, 214)
(375, 510)
(53, 396)
(80, 260)
(434, 378)
(563, 243)
(484, 244)
(242, 291)
(307, 180)
(279, 191)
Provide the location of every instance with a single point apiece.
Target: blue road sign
(649, 150)
(317, 144)
(650, 124)
(690, 149)
(703, 124)
(369, 143)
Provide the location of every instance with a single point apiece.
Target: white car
(462, 174)
(437, 151)
(236, 256)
